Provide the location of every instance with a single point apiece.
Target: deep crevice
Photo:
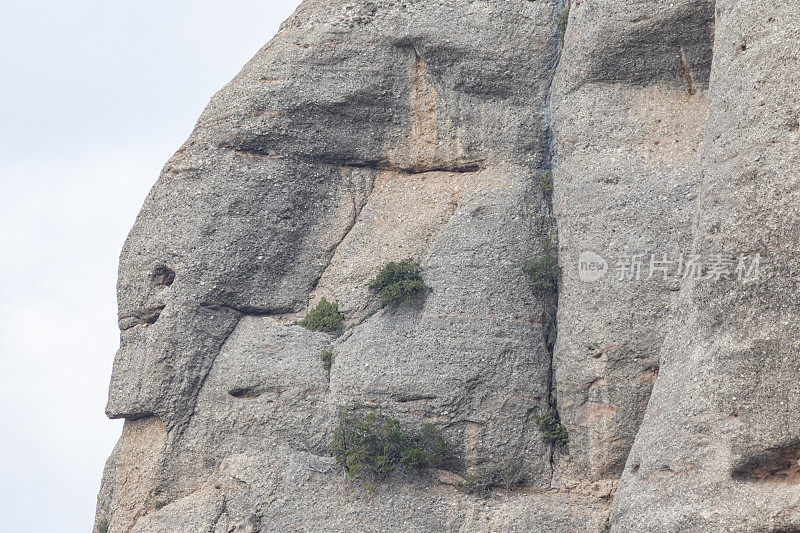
(550, 230)
(687, 73)
(377, 164)
(460, 168)
(413, 398)
(130, 417)
(246, 310)
(145, 317)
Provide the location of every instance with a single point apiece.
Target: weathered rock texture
(720, 441)
(631, 100)
(366, 132)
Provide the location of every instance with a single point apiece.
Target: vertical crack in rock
(628, 138)
(357, 207)
(222, 508)
(550, 324)
(548, 104)
(184, 424)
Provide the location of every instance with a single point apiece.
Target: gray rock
(719, 445)
(373, 131)
(361, 134)
(628, 130)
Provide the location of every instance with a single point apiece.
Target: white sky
(94, 98)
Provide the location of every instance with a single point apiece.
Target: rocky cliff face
(367, 132)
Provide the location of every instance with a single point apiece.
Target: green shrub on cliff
(545, 180)
(400, 282)
(372, 446)
(478, 483)
(543, 271)
(327, 357)
(507, 474)
(562, 19)
(324, 317)
(551, 428)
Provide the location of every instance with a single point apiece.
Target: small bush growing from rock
(102, 526)
(400, 282)
(371, 447)
(545, 180)
(324, 317)
(551, 428)
(327, 359)
(427, 449)
(562, 19)
(544, 270)
(507, 474)
(478, 483)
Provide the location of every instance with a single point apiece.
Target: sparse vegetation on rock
(400, 282)
(544, 271)
(327, 359)
(551, 428)
(562, 19)
(370, 447)
(545, 180)
(479, 483)
(507, 474)
(324, 317)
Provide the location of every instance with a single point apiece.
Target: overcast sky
(95, 97)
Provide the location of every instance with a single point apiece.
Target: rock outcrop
(371, 131)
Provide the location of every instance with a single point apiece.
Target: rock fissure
(181, 426)
(454, 168)
(146, 317)
(550, 314)
(222, 508)
(357, 208)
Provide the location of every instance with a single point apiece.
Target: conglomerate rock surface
(372, 131)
